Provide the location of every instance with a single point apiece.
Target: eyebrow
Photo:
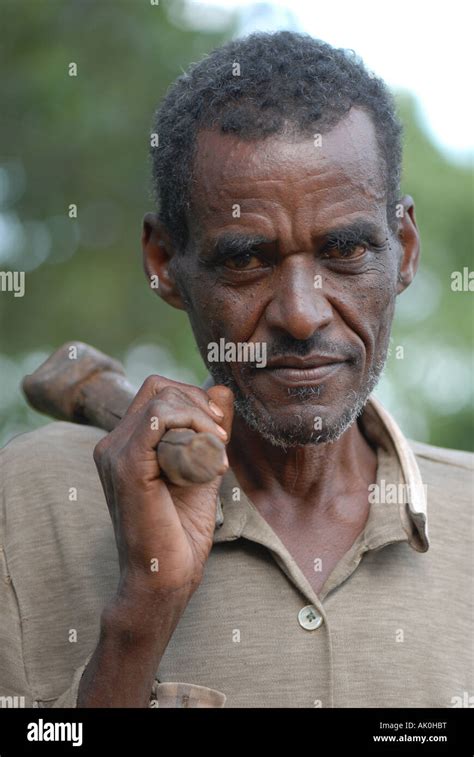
(361, 230)
(234, 243)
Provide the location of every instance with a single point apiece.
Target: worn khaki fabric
(397, 618)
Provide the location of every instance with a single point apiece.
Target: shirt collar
(398, 509)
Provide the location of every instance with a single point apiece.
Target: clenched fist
(163, 531)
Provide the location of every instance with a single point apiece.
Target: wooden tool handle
(77, 383)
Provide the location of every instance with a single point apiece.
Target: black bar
(303, 731)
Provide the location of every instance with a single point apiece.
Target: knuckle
(170, 393)
(152, 384)
(99, 451)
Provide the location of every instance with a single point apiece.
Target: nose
(299, 306)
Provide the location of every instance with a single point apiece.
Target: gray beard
(297, 434)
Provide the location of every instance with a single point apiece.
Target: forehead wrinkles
(264, 175)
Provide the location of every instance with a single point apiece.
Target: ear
(409, 239)
(158, 252)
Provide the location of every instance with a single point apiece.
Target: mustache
(287, 346)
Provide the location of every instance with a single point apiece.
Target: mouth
(310, 370)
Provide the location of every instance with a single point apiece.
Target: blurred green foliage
(430, 390)
(84, 140)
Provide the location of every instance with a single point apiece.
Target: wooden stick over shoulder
(80, 384)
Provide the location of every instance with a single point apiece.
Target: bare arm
(133, 638)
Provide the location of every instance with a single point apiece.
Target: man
(304, 577)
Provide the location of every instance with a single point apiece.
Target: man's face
(291, 248)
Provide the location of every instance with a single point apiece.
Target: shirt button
(309, 618)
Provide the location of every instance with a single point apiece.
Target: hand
(163, 532)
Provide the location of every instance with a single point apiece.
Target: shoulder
(44, 470)
(448, 473)
(453, 460)
(49, 441)
(52, 451)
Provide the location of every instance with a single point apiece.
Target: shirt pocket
(173, 694)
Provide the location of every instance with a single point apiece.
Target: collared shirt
(391, 627)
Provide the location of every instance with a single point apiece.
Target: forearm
(133, 638)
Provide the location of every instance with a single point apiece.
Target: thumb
(224, 399)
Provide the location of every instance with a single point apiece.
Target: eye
(246, 261)
(345, 251)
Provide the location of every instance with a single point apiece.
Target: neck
(310, 476)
